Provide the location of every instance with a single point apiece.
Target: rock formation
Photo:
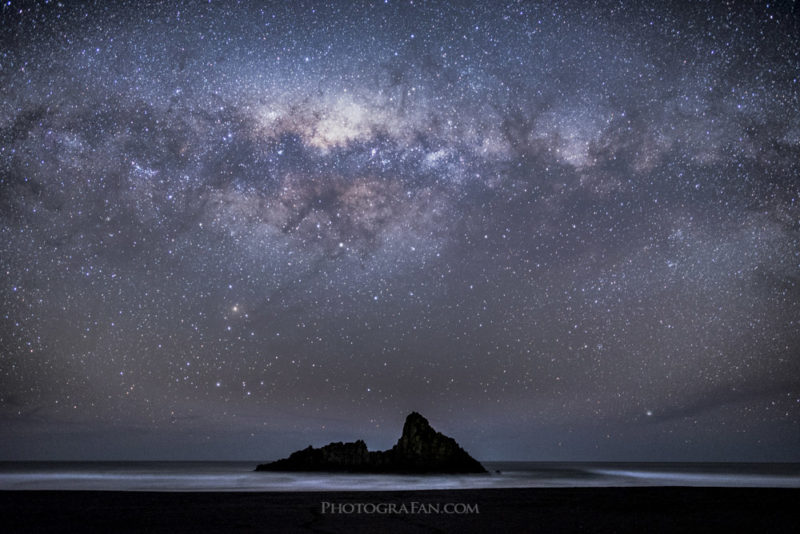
(419, 450)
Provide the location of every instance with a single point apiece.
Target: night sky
(560, 231)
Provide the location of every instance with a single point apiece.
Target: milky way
(559, 231)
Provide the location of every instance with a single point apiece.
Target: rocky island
(420, 449)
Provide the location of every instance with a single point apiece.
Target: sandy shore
(643, 510)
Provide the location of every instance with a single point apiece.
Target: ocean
(239, 476)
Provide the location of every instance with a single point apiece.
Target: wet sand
(642, 510)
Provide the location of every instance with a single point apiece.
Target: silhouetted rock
(344, 456)
(419, 450)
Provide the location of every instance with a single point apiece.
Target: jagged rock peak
(415, 424)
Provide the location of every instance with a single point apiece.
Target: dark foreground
(648, 510)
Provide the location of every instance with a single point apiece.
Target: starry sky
(559, 230)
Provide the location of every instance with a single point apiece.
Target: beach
(638, 509)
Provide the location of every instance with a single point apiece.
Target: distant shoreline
(239, 476)
(642, 509)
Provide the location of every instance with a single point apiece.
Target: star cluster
(560, 230)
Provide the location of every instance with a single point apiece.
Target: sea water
(239, 476)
